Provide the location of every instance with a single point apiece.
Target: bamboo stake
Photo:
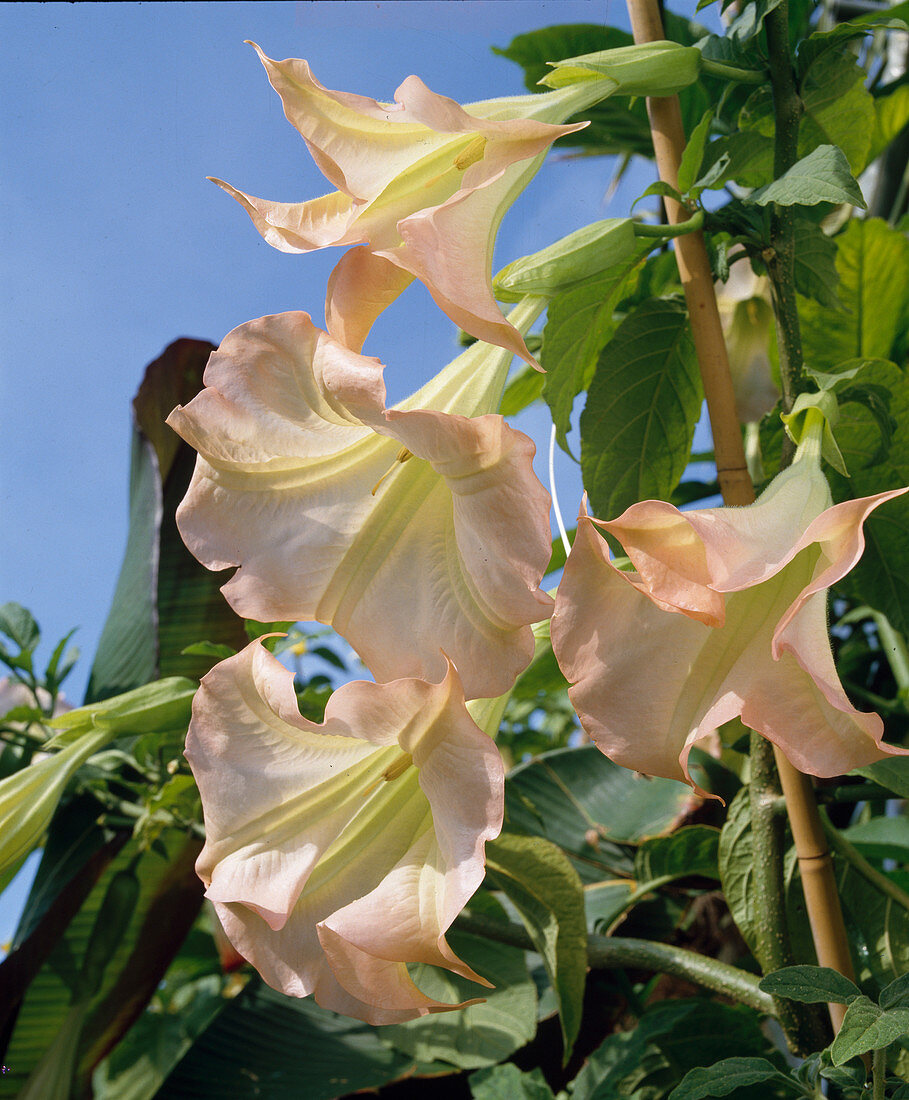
(821, 896)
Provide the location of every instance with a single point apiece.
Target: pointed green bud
(652, 68)
(585, 252)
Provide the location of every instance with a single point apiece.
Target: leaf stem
(617, 952)
(879, 1073)
(732, 72)
(677, 229)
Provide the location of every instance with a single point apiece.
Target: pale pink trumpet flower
(724, 615)
(422, 183)
(412, 531)
(338, 852)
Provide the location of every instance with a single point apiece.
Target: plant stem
(697, 280)
(815, 865)
(616, 952)
(879, 1073)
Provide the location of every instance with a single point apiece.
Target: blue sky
(114, 244)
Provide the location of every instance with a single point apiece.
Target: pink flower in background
(423, 183)
(413, 531)
(337, 852)
(725, 615)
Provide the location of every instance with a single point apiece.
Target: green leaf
(750, 21)
(642, 405)
(892, 773)
(540, 882)
(891, 115)
(286, 1045)
(507, 1082)
(693, 153)
(481, 1034)
(522, 390)
(671, 1038)
(872, 260)
(746, 157)
(605, 902)
(169, 899)
(822, 176)
(692, 850)
(736, 865)
(881, 838)
(725, 1077)
(815, 264)
(896, 994)
(579, 322)
(810, 985)
(19, 624)
(879, 578)
(867, 1027)
(591, 807)
(838, 109)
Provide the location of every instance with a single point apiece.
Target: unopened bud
(652, 68)
(585, 252)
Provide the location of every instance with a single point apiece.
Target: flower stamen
(402, 456)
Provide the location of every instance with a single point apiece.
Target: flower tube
(412, 531)
(337, 852)
(423, 183)
(723, 616)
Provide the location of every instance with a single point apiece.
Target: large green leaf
(540, 882)
(730, 1075)
(507, 1082)
(867, 1027)
(169, 898)
(263, 1044)
(821, 176)
(642, 405)
(579, 322)
(591, 807)
(164, 600)
(481, 1034)
(838, 110)
(692, 850)
(671, 1038)
(872, 260)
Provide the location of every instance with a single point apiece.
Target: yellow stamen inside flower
(471, 154)
(394, 770)
(401, 456)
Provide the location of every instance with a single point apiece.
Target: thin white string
(554, 494)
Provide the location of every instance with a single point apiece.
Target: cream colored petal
(359, 289)
(687, 558)
(839, 531)
(449, 249)
(300, 226)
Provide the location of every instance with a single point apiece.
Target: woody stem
(694, 270)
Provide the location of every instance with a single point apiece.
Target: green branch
(610, 953)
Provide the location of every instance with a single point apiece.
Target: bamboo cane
(821, 896)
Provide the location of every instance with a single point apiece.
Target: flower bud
(585, 252)
(652, 68)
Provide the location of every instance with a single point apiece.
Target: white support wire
(555, 495)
